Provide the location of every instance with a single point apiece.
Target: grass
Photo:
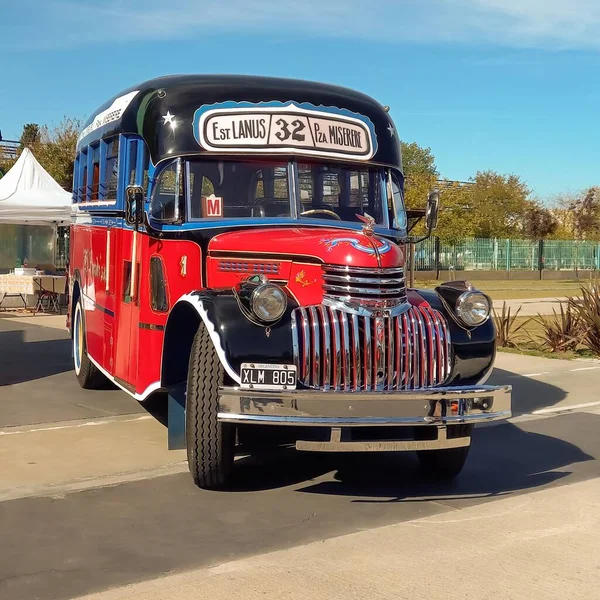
(515, 290)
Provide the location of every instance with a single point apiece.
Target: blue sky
(507, 85)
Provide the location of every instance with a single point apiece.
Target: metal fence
(479, 254)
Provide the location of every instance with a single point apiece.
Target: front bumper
(342, 411)
(431, 406)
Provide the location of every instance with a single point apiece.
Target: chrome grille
(337, 350)
(366, 286)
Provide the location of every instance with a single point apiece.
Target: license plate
(268, 377)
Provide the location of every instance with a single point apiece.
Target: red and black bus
(239, 243)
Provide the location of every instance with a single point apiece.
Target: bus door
(128, 310)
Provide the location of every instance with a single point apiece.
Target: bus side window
(82, 189)
(158, 286)
(111, 170)
(95, 172)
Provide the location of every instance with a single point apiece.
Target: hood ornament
(369, 224)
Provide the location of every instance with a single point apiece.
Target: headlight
(268, 302)
(473, 308)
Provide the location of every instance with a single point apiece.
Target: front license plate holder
(260, 376)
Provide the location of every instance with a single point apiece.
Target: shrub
(562, 331)
(588, 310)
(505, 326)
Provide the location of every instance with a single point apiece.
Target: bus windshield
(208, 189)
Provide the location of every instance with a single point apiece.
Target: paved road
(90, 499)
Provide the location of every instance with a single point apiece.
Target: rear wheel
(446, 464)
(210, 443)
(88, 374)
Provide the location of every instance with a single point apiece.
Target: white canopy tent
(29, 195)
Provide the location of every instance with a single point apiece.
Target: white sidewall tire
(78, 341)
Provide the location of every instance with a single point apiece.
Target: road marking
(535, 374)
(75, 426)
(585, 369)
(570, 407)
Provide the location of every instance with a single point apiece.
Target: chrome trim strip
(366, 270)
(354, 291)
(356, 359)
(379, 354)
(316, 347)
(326, 381)
(296, 346)
(442, 443)
(367, 353)
(306, 347)
(346, 351)
(350, 279)
(336, 377)
(390, 353)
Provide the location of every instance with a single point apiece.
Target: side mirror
(433, 207)
(134, 205)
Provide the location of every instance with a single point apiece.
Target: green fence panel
(478, 254)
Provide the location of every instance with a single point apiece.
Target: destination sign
(284, 129)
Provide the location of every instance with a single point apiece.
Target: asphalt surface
(57, 545)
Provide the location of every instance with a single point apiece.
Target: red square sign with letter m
(212, 206)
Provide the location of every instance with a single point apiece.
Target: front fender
(473, 357)
(235, 338)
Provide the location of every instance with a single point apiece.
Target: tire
(210, 444)
(87, 373)
(445, 465)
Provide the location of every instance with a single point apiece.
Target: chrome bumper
(432, 406)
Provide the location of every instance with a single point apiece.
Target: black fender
(235, 338)
(473, 350)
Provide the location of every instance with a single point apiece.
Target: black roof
(182, 95)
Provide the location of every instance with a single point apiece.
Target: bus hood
(327, 245)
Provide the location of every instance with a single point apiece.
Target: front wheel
(445, 465)
(210, 443)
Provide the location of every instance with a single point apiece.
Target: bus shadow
(29, 360)
(504, 458)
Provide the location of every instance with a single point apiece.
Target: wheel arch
(184, 320)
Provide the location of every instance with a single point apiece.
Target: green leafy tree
(420, 173)
(56, 150)
(499, 204)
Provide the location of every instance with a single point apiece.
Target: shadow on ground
(24, 360)
(529, 394)
(503, 458)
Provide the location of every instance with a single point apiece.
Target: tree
(31, 136)
(498, 204)
(56, 150)
(586, 215)
(456, 205)
(540, 223)
(420, 173)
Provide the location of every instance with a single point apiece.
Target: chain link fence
(495, 254)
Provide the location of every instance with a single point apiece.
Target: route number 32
(285, 133)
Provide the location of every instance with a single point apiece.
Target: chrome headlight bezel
(259, 293)
(468, 317)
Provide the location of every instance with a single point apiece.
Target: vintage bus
(240, 244)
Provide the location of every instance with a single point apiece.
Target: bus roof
(223, 114)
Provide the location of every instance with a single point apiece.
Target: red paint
(325, 245)
(416, 299)
(119, 331)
